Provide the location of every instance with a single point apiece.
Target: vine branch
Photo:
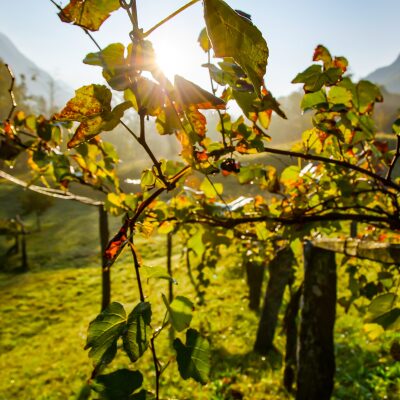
(313, 157)
(162, 22)
(11, 92)
(59, 194)
(394, 159)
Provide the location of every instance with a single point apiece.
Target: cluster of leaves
(348, 174)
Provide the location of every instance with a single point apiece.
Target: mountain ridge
(387, 76)
(38, 81)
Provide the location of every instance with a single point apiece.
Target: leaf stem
(214, 91)
(162, 22)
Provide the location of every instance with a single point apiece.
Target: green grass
(44, 316)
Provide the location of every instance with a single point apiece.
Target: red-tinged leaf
(189, 94)
(91, 106)
(88, 14)
(117, 243)
(89, 102)
(321, 53)
(197, 120)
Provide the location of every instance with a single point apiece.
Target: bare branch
(59, 194)
(11, 92)
(394, 159)
(313, 157)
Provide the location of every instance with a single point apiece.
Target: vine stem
(394, 159)
(214, 91)
(162, 22)
(156, 367)
(137, 270)
(11, 92)
(314, 157)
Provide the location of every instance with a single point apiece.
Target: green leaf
(340, 95)
(234, 36)
(366, 95)
(382, 311)
(211, 190)
(193, 357)
(314, 78)
(396, 126)
(88, 14)
(204, 41)
(147, 179)
(116, 70)
(104, 332)
(157, 273)
(311, 100)
(137, 334)
(180, 312)
(118, 385)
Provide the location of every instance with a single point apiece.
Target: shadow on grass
(228, 370)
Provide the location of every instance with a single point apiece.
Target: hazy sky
(367, 32)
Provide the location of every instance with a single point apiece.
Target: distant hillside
(387, 76)
(38, 81)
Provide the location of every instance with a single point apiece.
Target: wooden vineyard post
(280, 273)
(105, 270)
(316, 360)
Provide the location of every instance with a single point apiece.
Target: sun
(172, 61)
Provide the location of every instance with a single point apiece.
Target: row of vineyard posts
(344, 173)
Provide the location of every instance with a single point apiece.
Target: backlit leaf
(116, 70)
(117, 243)
(104, 332)
(146, 96)
(312, 100)
(89, 14)
(234, 36)
(211, 190)
(91, 106)
(189, 94)
(204, 41)
(193, 357)
(396, 126)
(180, 312)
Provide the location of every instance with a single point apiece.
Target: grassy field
(44, 316)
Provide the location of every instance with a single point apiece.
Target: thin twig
(137, 270)
(313, 157)
(156, 367)
(214, 91)
(11, 93)
(394, 160)
(170, 17)
(59, 194)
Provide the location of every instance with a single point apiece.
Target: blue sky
(367, 32)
